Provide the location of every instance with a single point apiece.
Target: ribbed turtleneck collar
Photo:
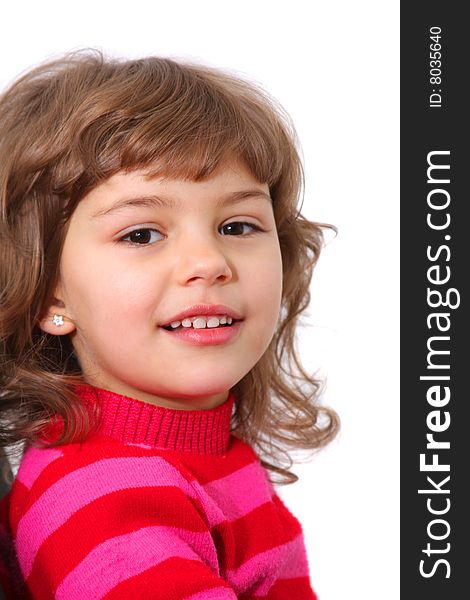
(134, 422)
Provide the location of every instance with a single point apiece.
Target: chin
(202, 391)
(204, 386)
(208, 382)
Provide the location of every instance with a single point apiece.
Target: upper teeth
(202, 322)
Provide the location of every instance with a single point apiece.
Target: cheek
(98, 295)
(265, 286)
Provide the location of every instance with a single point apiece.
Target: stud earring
(58, 320)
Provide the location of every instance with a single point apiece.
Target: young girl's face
(138, 252)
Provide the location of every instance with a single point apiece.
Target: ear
(55, 319)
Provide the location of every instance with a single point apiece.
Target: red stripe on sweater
(283, 527)
(288, 589)
(238, 455)
(175, 579)
(213, 594)
(19, 498)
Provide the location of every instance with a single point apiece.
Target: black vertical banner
(435, 333)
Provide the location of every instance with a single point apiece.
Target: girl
(154, 268)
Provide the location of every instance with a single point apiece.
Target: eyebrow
(153, 201)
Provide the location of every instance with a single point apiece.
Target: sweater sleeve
(128, 527)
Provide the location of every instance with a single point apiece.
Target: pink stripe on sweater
(282, 562)
(241, 492)
(129, 555)
(34, 462)
(79, 488)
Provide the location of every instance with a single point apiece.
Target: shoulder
(80, 495)
(97, 467)
(54, 484)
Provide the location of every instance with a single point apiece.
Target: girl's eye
(238, 228)
(142, 236)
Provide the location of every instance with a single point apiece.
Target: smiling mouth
(205, 330)
(199, 325)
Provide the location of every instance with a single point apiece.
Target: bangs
(179, 121)
(86, 118)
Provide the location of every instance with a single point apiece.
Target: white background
(334, 67)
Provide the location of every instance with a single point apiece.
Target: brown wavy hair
(70, 124)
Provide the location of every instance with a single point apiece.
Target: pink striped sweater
(157, 504)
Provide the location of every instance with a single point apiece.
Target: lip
(206, 337)
(203, 309)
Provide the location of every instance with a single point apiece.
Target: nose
(204, 261)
